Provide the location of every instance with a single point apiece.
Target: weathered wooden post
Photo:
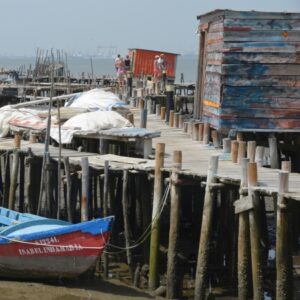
(157, 110)
(201, 132)
(215, 138)
(273, 153)
(176, 119)
(173, 279)
(206, 228)
(251, 146)
(226, 145)
(241, 151)
(22, 183)
(105, 213)
(126, 221)
(234, 151)
(255, 235)
(244, 260)
(284, 267)
(259, 155)
(169, 100)
(195, 131)
(143, 119)
(163, 112)
(180, 121)
(286, 165)
(17, 140)
(14, 179)
(157, 197)
(68, 188)
(206, 133)
(85, 189)
(171, 118)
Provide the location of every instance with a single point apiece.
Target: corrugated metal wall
(143, 62)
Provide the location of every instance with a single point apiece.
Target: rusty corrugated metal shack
(142, 61)
(249, 70)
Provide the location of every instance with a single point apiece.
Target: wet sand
(93, 289)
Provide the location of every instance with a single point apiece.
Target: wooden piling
(163, 112)
(68, 189)
(244, 260)
(273, 153)
(201, 132)
(206, 133)
(259, 155)
(105, 213)
(226, 145)
(143, 118)
(14, 179)
(284, 267)
(22, 183)
(241, 151)
(171, 118)
(215, 138)
(234, 151)
(251, 146)
(126, 221)
(157, 197)
(286, 165)
(157, 110)
(17, 140)
(176, 119)
(180, 121)
(84, 189)
(206, 230)
(195, 132)
(173, 278)
(255, 235)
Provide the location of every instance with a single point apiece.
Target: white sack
(95, 99)
(22, 116)
(89, 122)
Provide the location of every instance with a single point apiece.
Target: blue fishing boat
(37, 247)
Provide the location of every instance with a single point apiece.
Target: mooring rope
(148, 230)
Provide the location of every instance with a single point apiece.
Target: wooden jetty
(221, 190)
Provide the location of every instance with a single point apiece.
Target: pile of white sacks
(98, 102)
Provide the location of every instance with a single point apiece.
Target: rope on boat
(137, 243)
(148, 230)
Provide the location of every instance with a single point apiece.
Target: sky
(77, 26)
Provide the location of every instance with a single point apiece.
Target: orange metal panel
(143, 62)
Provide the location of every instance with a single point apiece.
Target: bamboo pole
(284, 267)
(206, 229)
(244, 259)
(173, 279)
(255, 235)
(85, 189)
(157, 197)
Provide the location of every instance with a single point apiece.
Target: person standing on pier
(120, 68)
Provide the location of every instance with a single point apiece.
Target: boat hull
(65, 251)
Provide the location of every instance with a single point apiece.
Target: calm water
(185, 64)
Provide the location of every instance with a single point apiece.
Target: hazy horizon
(95, 26)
